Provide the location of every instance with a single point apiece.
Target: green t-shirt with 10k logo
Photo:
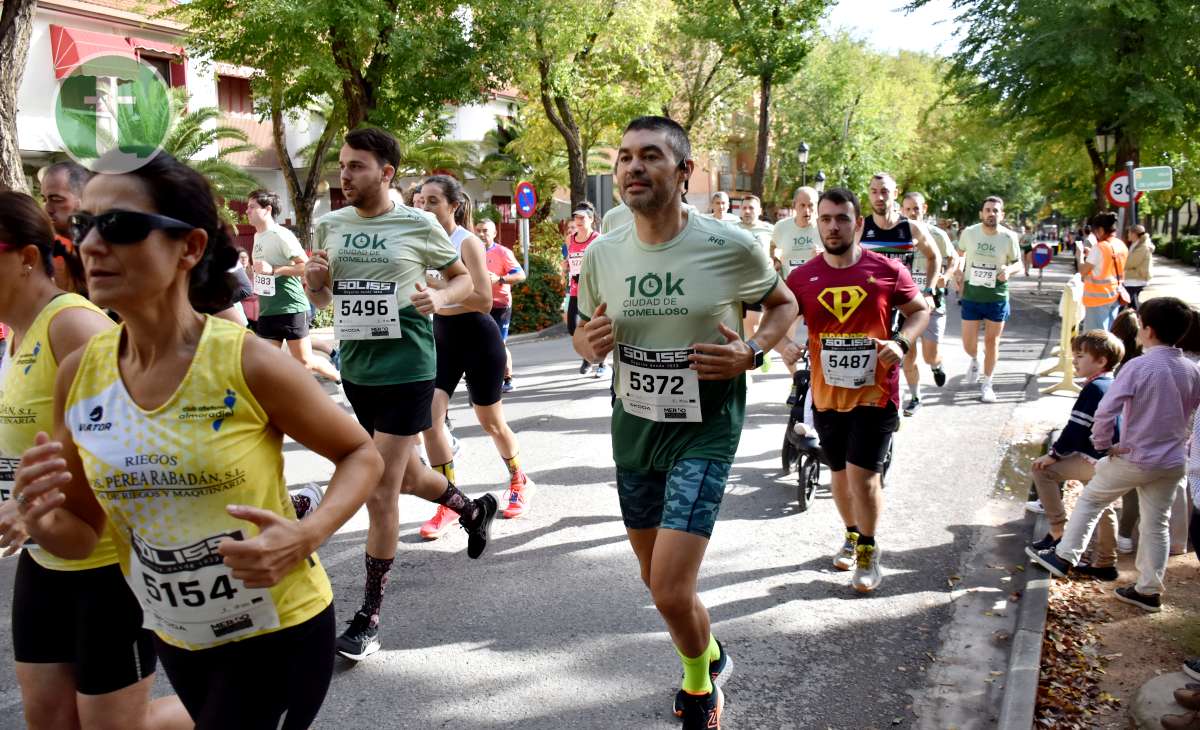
(376, 264)
(662, 299)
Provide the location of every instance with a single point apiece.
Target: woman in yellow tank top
(74, 621)
(169, 428)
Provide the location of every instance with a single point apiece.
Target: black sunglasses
(123, 226)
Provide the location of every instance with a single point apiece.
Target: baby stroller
(801, 445)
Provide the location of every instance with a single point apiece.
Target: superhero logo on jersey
(842, 301)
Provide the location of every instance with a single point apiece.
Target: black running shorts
(86, 618)
(860, 437)
(402, 409)
(282, 326)
(469, 344)
(277, 680)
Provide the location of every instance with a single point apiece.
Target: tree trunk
(1175, 224)
(303, 195)
(16, 24)
(558, 111)
(1099, 177)
(764, 134)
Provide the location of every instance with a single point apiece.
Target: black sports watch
(901, 340)
(759, 355)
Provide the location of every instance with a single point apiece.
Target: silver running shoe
(867, 573)
(844, 559)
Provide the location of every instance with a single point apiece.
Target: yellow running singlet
(27, 406)
(164, 477)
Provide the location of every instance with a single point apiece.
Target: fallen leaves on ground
(1069, 685)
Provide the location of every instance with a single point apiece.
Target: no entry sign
(1042, 255)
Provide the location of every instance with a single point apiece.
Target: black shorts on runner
(277, 680)
(860, 437)
(503, 317)
(469, 344)
(86, 618)
(282, 326)
(751, 308)
(402, 409)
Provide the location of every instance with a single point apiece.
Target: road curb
(555, 330)
(1024, 662)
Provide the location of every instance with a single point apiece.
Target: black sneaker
(719, 671)
(479, 532)
(1049, 560)
(912, 406)
(939, 376)
(1129, 594)
(703, 712)
(584, 367)
(1191, 667)
(360, 640)
(1107, 574)
(1046, 543)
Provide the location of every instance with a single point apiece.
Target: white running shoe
(986, 393)
(1124, 545)
(973, 372)
(1035, 506)
(867, 573)
(844, 559)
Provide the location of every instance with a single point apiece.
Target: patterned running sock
(459, 502)
(377, 578)
(446, 470)
(513, 463)
(696, 679)
(301, 504)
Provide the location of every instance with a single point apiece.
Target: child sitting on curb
(1094, 354)
(1156, 396)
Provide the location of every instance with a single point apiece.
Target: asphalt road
(552, 627)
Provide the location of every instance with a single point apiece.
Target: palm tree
(192, 133)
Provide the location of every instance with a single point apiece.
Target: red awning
(162, 47)
(72, 46)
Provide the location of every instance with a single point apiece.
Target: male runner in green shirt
(665, 295)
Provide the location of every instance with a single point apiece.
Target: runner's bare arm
(296, 268)
(480, 297)
(925, 245)
(297, 406)
(728, 360)
(779, 312)
(60, 511)
(317, 280)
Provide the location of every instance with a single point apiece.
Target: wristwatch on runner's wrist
(758, 353)
(901, 340)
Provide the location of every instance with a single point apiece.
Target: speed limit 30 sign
(1117, 190)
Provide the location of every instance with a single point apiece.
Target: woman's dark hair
(1170, 318)
(1125, 327)
(1190, 342)
(24, 223)
(411, 193)
(453, 189)
(180, 192)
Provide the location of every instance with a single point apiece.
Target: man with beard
(665, 295)
(369, 261)
(62, 188)
(848, 296)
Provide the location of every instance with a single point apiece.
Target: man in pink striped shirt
(1156, 396)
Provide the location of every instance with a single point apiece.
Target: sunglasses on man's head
(123, 226)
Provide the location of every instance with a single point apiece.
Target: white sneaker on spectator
(1124, 545)
(1035, 506)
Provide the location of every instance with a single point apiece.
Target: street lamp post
(819, 181)
(1105, 140)
(802, 154)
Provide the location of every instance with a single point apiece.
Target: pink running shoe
(520, 489)
(442, 520)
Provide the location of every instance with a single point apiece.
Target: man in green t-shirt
(991, 254)
(278, 265)
(369, 261)
(665, 296)
(750, 213)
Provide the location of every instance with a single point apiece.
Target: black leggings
(276, 680)
(572, 314)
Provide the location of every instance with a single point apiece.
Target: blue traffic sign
(526, 199)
